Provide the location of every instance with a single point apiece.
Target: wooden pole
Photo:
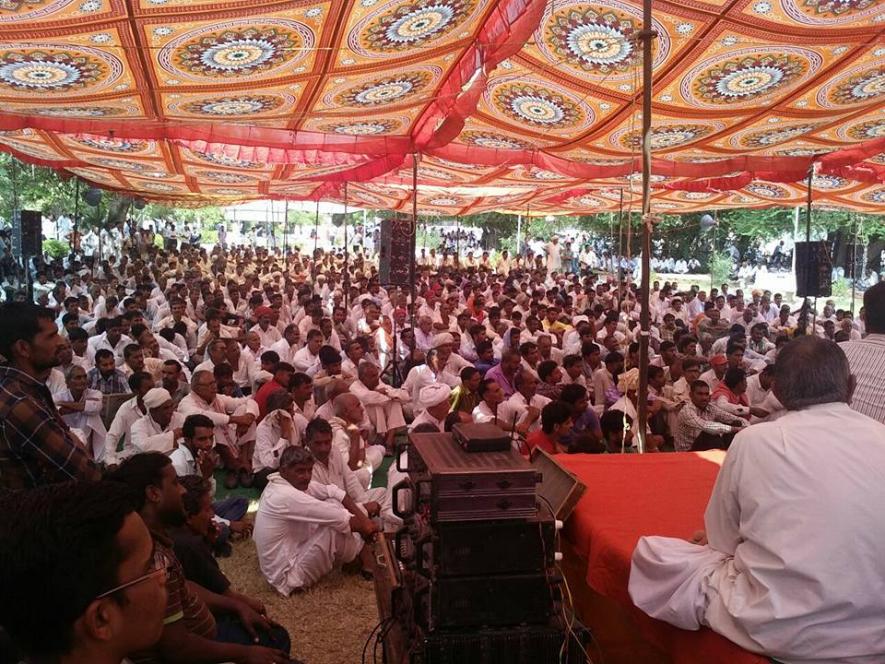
(646, 35)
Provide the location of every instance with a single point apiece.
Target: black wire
(369, 640)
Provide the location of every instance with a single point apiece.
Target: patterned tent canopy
(517, 105)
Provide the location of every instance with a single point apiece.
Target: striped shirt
(36, 445)
(867, 360)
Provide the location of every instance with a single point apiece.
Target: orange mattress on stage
(629, 496)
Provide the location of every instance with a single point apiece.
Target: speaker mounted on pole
(814, 269)
(27, 233)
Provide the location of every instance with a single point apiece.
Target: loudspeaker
(813, 270)
(27, 233)
(395, 251)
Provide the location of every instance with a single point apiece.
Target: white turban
(443, 339)
(156, 398)
(433, 395)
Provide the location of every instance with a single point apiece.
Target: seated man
(556, 422)
(702, 425)
(82, 549)
(434, 404)
(349, 439)
(329, 468)
(234, 430)
(104, 376)
(192, 545)
(127, 415)
(199, 625)
(303, 529)
(616, 432)
(159, 429)
(792, 552)
(383, 403)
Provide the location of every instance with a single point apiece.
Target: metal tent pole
(412, 247)
(346, 280)
(316, 237)
(646, 35)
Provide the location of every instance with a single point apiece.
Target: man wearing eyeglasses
(190, 631)
(78, 573)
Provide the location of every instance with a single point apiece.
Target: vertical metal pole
(518, 234)
(617, 264)
(810, 182)
(413, 234)
(853, 264)
(316, 237)
(286, 235)
(346, 255)
(796, 212)
(644, 321)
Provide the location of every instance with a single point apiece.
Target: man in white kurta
(383, 403)
(302, 528)
(159, 429)
(793, 567)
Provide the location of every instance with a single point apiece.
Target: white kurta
(88, 421)
(219, 411)
(794, 566)
(383, 405)
(301, 536)
(148, 436)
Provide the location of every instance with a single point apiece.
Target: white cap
(433, 395)
(443, 339)
(156, 397)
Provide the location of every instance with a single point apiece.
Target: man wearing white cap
(434, 404)
(159, 429)
(448, 361)
(429, 373)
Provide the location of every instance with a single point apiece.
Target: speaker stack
(476, 578)
(27, 233)
(395, 253)
(814, 270)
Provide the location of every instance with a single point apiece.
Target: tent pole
(646, 35)
(518, 233)
(617, 265)
(810, 183)
(412, 247)
(854, 263)
(346, 279)
(316, 237)
(286, 234)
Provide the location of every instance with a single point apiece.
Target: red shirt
(542, 440)
(263, 393)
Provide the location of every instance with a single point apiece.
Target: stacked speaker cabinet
(814, 270)
(477, 552)
(396, 251)
(27, 233)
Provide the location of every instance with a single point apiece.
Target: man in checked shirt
(36, 446)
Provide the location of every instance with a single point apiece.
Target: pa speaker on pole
(814, 270)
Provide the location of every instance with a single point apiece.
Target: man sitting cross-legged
(790, 563)
(233, 418)
(192, 545)
(348, 437)
(191, 632)
(303, 528)
(329, 468)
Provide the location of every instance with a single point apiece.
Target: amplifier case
(474, 548)
(530, 644)
(476, 601)
(456, 485)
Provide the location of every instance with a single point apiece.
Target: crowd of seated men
(128, 392)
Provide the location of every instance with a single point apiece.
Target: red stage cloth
(651, 494)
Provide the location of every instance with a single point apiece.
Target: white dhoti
(320, 554)
(671, 579)
(374, 457)
(386, 417)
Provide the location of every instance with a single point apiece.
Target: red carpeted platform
(633, 495)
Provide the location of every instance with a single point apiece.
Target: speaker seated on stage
(303, 529)
(702, 425)
(789, 562)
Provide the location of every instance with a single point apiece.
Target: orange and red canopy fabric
(505, 104)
